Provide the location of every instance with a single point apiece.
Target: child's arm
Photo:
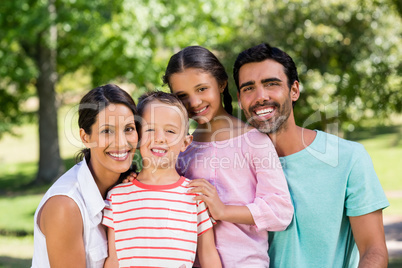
(206, 250)
(218, 210)
(111, 260)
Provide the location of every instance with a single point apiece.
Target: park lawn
(386, 155)
(17, 214)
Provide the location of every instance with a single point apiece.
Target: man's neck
(292, 139)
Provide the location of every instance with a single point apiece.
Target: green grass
(395, 263)
(386, 153)
(395, 207)
(17, 214)
(16, 252)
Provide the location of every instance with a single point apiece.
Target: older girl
(244, 186)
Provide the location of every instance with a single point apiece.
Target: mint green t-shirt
(329, 181)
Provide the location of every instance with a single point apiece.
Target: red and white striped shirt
(155, 225)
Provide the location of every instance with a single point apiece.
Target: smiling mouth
(119, 156)
(200, 111)
(265, 111)
(159, 151)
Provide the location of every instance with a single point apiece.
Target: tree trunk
(51, 165)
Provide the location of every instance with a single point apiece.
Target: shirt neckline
(159, 187)
(227, 140)
(305, 150)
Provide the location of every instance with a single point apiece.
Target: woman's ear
(84, 137)
(187, 141)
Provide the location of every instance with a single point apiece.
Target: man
(337, 197)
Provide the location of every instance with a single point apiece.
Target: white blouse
(79, 185)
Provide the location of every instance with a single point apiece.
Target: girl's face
(163, 135)
(200, 93)
(112, 142)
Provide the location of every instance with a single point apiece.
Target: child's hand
(209, 195)
(130, 177)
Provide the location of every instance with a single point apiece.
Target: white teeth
(158, 151)
(200, 111)
(119, 155)
(265, 111)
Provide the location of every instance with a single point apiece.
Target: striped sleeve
(108, 212)
(203, 221)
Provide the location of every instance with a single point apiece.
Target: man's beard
(274, 124)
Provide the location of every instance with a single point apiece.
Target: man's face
(264, 95)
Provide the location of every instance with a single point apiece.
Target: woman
(68, 230)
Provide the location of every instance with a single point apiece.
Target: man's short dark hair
(263, 52)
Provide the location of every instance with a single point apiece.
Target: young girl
(240, 176)
(68, 230)
(153, 221)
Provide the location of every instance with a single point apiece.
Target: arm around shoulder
(61, 223)
(272, 208)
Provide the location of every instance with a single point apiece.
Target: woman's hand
(207, 192)
(132, 176)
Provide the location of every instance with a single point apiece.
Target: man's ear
(187, 141)
(295, 91)
(238, 100)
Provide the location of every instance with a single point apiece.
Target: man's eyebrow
(270, 80)
(249, 83)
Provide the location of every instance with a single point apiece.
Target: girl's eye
(149, 130)
(171, 131)
(129, 129)
(202, 89)
(181, 96)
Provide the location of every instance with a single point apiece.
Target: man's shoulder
(341, 143)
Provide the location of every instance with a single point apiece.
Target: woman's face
(200, 93)
(112, 142)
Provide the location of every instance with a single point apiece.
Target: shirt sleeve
(364, 193)
(203, 221)
(108, 212)
(272, 209)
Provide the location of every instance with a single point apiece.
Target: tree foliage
(348, 52)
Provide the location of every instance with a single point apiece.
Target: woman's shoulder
(59, 210)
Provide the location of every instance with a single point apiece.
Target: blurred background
(348, 54)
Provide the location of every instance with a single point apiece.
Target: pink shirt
(245, 171)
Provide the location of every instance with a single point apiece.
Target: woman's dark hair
(263, 52)
(93, 103)
(200, 58)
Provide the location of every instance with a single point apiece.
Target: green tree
(348, 54)
(40, 41)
